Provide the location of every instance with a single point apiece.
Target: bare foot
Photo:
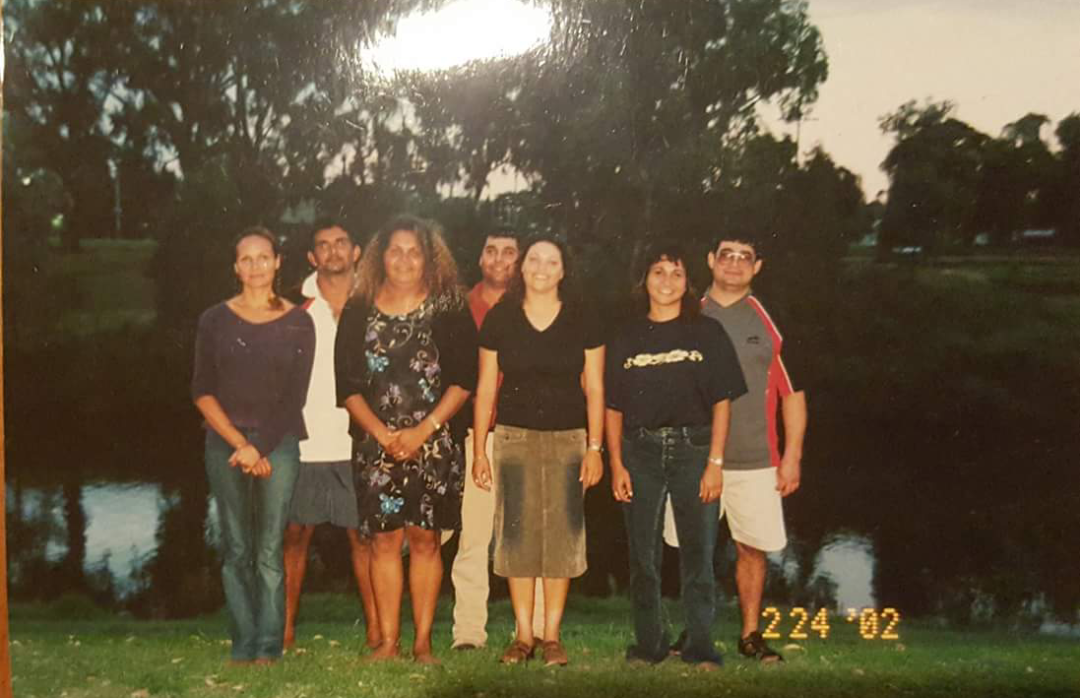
(426, 658)
(290, 640)
(384, 652)
(374, 639)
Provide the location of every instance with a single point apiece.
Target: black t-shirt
(670, 374)
(541, 386)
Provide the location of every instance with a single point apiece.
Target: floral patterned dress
(404, 383)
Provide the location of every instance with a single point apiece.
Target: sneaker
(754, 647)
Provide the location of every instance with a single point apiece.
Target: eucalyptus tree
(244, 100)
(634, 110)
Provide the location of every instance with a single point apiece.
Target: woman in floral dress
(405, 362)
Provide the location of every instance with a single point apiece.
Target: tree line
(183, 121)
(949, 183)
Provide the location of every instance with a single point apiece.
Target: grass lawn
(101, 655)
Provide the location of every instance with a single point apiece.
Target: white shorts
(754, 508)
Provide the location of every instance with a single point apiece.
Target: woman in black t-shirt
(670, 377)
(548, 431)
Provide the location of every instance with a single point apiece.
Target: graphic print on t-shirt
(674, 356)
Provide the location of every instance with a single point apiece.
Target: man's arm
(793, 411)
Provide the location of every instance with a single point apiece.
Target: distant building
(1034, 236)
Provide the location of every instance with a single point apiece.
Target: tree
(629, 116)
(60, 75)
(1064, 203)
(934, 171)
(1014, 182)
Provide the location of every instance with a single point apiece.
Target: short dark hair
(754, 240)
(325, 223)
(667, 250)
(508, 233)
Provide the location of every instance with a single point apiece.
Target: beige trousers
(471, 564)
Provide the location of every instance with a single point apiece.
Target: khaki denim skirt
(539, 503)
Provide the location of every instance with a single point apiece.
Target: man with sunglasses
(757, 473)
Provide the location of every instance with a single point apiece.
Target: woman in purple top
(253, 357)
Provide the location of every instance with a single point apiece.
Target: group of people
(391, 403)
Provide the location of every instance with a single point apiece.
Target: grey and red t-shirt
(752, 441)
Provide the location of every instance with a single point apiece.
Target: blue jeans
(662, 461)
(252, 514)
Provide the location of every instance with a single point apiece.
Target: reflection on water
(148, 547)
(123, 522)
(848, 560)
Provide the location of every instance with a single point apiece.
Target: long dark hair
(258, 231)
(568, 287)
(666, 251)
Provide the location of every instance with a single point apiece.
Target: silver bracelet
(595, 446)
(719, 460)
(437, 423)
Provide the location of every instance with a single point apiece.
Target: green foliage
(934, 171)
(1065, 204)
(949, 182)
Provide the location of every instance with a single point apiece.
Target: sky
(995, 59)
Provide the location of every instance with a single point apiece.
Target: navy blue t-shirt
(670, 374)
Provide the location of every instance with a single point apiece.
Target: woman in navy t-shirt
(670, 376)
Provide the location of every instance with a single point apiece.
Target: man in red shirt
(498, 264)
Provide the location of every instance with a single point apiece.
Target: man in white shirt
(324, 489)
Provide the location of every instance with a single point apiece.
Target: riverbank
(73, 650)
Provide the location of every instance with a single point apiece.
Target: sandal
(517, 653)
(754, 647)
(554, 654)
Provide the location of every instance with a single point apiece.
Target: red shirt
(479, 309)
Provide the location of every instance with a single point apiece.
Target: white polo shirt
(327, 424)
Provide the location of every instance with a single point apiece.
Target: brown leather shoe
(517, 653)
(554, 654)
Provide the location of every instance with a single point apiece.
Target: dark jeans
(252, 514)
(662, 461)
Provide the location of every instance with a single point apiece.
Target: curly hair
(440, 270)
